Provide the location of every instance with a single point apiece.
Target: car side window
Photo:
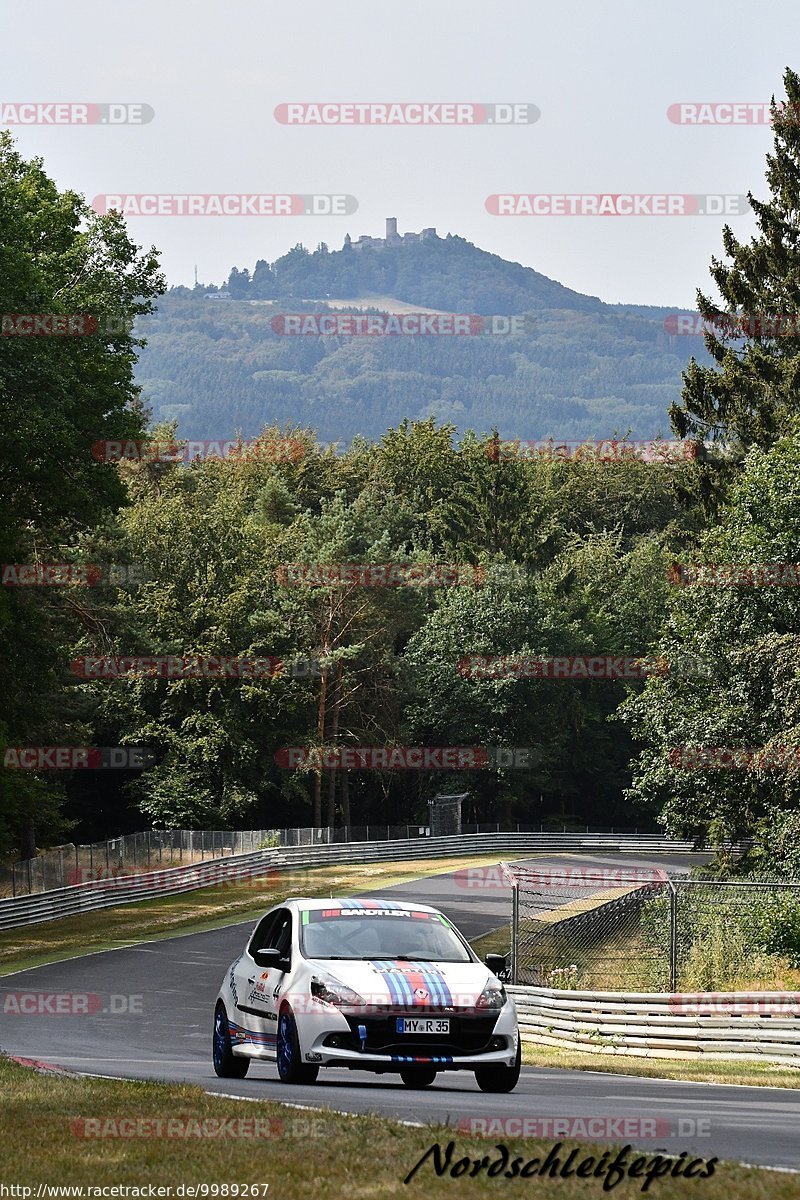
(282, 934)
(262, 939)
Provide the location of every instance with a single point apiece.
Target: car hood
(416, 984)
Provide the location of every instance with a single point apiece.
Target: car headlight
(331, 991)
(492, 996)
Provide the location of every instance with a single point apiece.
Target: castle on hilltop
(393, 238)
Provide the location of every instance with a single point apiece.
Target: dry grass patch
(706, 1070)
(308, 1153)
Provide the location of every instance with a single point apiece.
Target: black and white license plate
(423, 1025)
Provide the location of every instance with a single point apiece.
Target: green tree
(736, 682)
(59, 395)
(748, 394)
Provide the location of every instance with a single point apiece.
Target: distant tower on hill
(393, 238)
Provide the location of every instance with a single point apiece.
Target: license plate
(423, 1025)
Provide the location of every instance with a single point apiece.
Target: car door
(259, 987)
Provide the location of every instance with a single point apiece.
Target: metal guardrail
(723, 1025)
(125, 889)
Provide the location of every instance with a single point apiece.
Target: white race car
(374, 985)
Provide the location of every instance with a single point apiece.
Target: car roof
(313, 903)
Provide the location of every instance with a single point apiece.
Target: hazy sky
(603, 76)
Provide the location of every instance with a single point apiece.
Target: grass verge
(207, 908)
(755, 1074)
(306, 1153)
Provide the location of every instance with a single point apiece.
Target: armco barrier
(104, 893)
(661, 1025)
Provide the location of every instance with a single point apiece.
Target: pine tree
(749, 394)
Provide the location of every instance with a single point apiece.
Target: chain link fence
(641, 930)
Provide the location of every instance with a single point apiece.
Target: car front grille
(468, 1035)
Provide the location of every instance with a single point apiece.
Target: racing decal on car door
(232, 981)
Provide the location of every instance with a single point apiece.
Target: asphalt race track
(172, 985)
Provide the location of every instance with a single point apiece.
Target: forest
(365, 569)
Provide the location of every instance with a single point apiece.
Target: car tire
(498, 1077)
(418, 1076)
(291, 1068)
(226, 1064)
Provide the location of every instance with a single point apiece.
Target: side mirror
(497, 964)
(269, 958)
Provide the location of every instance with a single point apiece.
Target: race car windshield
(408, 937)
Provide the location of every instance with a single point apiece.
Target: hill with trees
(581, 368)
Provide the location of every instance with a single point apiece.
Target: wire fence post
(673, 936)
(514, 930)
